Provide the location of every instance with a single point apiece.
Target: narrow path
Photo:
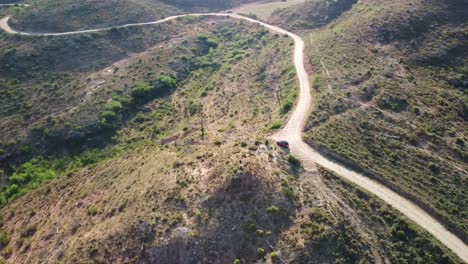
(22, 5)
(292, 132)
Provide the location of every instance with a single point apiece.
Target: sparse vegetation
(391, 118)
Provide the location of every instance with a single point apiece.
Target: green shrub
(194, 108)
(236, 261)
(294, 162)
(275, 125)
(243, 144)
(92, 211)
(109, 116)
(261, 251)
(288, 102)
(274, 255)
(317, 82)
(4, 239)
(272, 209)
(250, 227)
(167, 82)
(114, 106)
(25, 177)
(260, 232)
(286, 107)
(142, 91)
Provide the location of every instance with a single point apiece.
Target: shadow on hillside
(237, 225)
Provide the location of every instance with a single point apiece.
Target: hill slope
(69, 15)
(390, 97)
(183, 170)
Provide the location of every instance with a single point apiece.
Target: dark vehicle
(283, 144)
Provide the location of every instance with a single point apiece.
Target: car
(283, 144)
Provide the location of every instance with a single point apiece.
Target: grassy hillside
(389, 88)
(310, 14)
(155, 151)
(53, 16)
(65, 113)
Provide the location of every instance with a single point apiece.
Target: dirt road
(292, 132)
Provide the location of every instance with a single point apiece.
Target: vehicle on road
(283, 144)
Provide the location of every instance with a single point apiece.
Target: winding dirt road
(292, 132)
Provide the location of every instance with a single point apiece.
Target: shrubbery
(275, 125)
(29, 175)
(143, 91)
(294, 162)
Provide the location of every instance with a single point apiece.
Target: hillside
(68, 15)
(152, 144)
(390, 96)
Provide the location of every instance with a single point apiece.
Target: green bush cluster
(141, 92)
(272, 209)
(275, 125)
(288, 102)
(27, 176)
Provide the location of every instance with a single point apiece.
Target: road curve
(292, 132)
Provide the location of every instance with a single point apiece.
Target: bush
(274, 255)
(317, 82)
(109, 116)
(25, 177)
(167, 82)
(272, 209)
(294, 162)
(288, 102)
(260, 232)
(29, 231)
(286, 107)
(114, 106)
(275, 125)
(250, 227)
(4, 239)
(142, 91)
(261, 251)
(92, 211)
(433, 167)
(236, 261)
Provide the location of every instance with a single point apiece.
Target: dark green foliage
(167, 82)
(294, 162)
(207, 42)
(392, 102)
(250, 227)
(142, 91)
(194, 108)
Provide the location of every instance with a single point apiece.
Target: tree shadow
(245, 212)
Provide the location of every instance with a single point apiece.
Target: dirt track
(292, 132)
